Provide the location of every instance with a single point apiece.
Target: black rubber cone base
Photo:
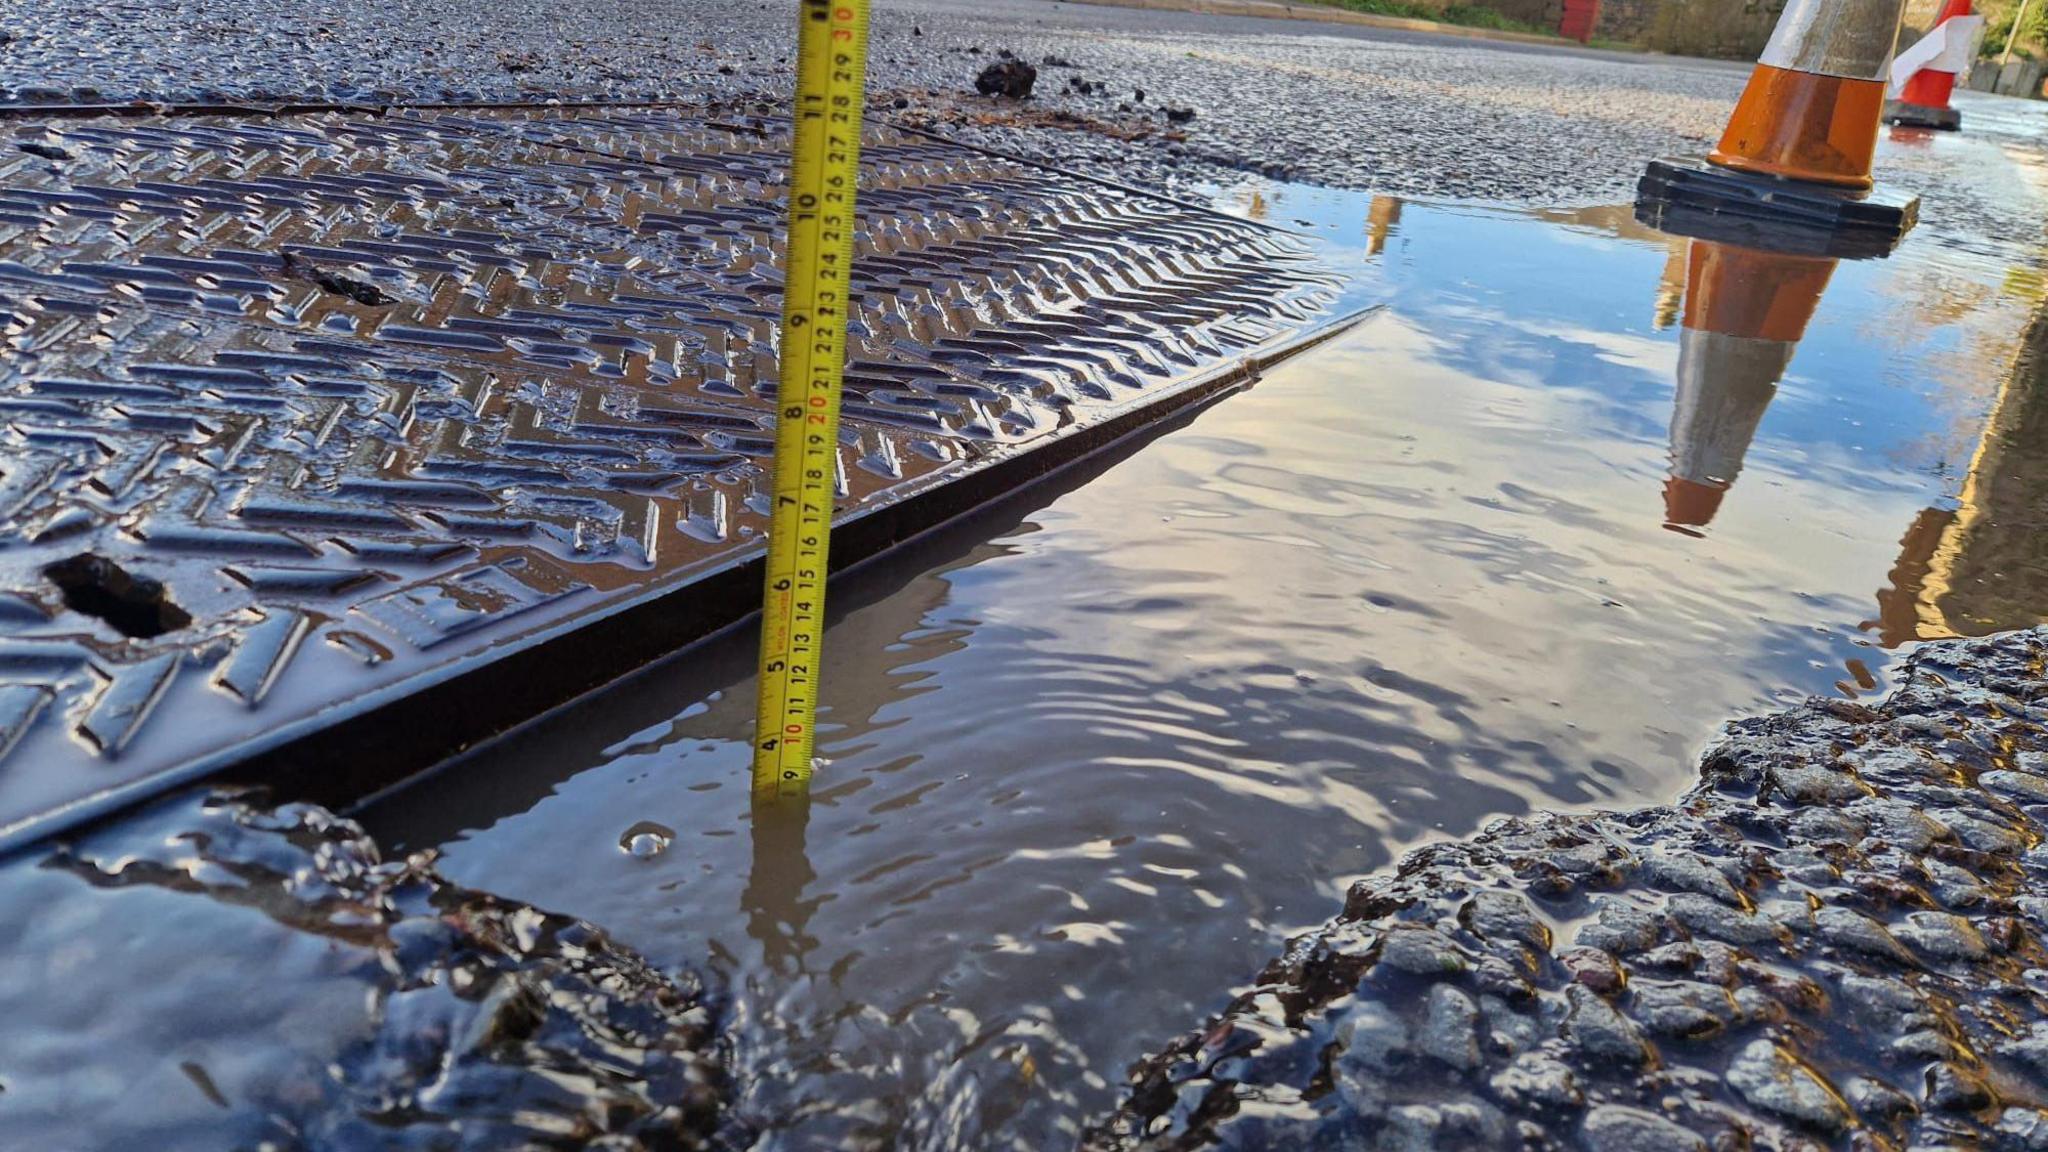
(1922, 116)
(1687, 196)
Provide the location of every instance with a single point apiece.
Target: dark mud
(1007, 77)
(353, 1003)
(1835, 940)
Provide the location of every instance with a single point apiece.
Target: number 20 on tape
(818, 262)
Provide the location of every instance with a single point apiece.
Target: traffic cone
(1924, 76)
(1813, 103)
(1579, 19)
(1797, 150)
(1745, 312)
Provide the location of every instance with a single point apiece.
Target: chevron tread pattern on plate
(338, 399)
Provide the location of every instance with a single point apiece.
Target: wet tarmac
(212, 974)
(1833, 940)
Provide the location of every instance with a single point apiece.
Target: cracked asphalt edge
(1835, 939)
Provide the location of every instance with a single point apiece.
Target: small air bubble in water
(646, 839)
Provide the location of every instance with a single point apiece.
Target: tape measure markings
(823, 176)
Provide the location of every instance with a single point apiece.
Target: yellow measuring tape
(832, 56)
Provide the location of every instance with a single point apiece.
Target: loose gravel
(1158, 98)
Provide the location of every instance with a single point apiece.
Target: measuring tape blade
(832, 50)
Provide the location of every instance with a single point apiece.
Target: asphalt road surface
(1397, 112)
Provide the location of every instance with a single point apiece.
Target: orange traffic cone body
(1793, 166)
(1812, 106)
(1804, 126)
(1929, 89)
(1924, 76)
(1745, 312)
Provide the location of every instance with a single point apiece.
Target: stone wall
(2016, 77)
(1727, 29)
(1920, 17)
(1734, 29)
(1541, 13)
(1625, 20)
(1730, 29)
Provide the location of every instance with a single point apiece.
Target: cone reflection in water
(1981, 565)
(1670, 285)
(1813, 104)
(1381, 218)
(1745, 312)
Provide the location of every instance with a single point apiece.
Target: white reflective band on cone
(1852, 39)
(1950, 48)
(1724, 385)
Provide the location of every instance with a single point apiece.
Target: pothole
(361, 291)
(136, 606)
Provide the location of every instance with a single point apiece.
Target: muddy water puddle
(1572, 496)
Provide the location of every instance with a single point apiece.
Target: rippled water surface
(1092, 758)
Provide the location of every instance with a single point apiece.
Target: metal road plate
(305, 412)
